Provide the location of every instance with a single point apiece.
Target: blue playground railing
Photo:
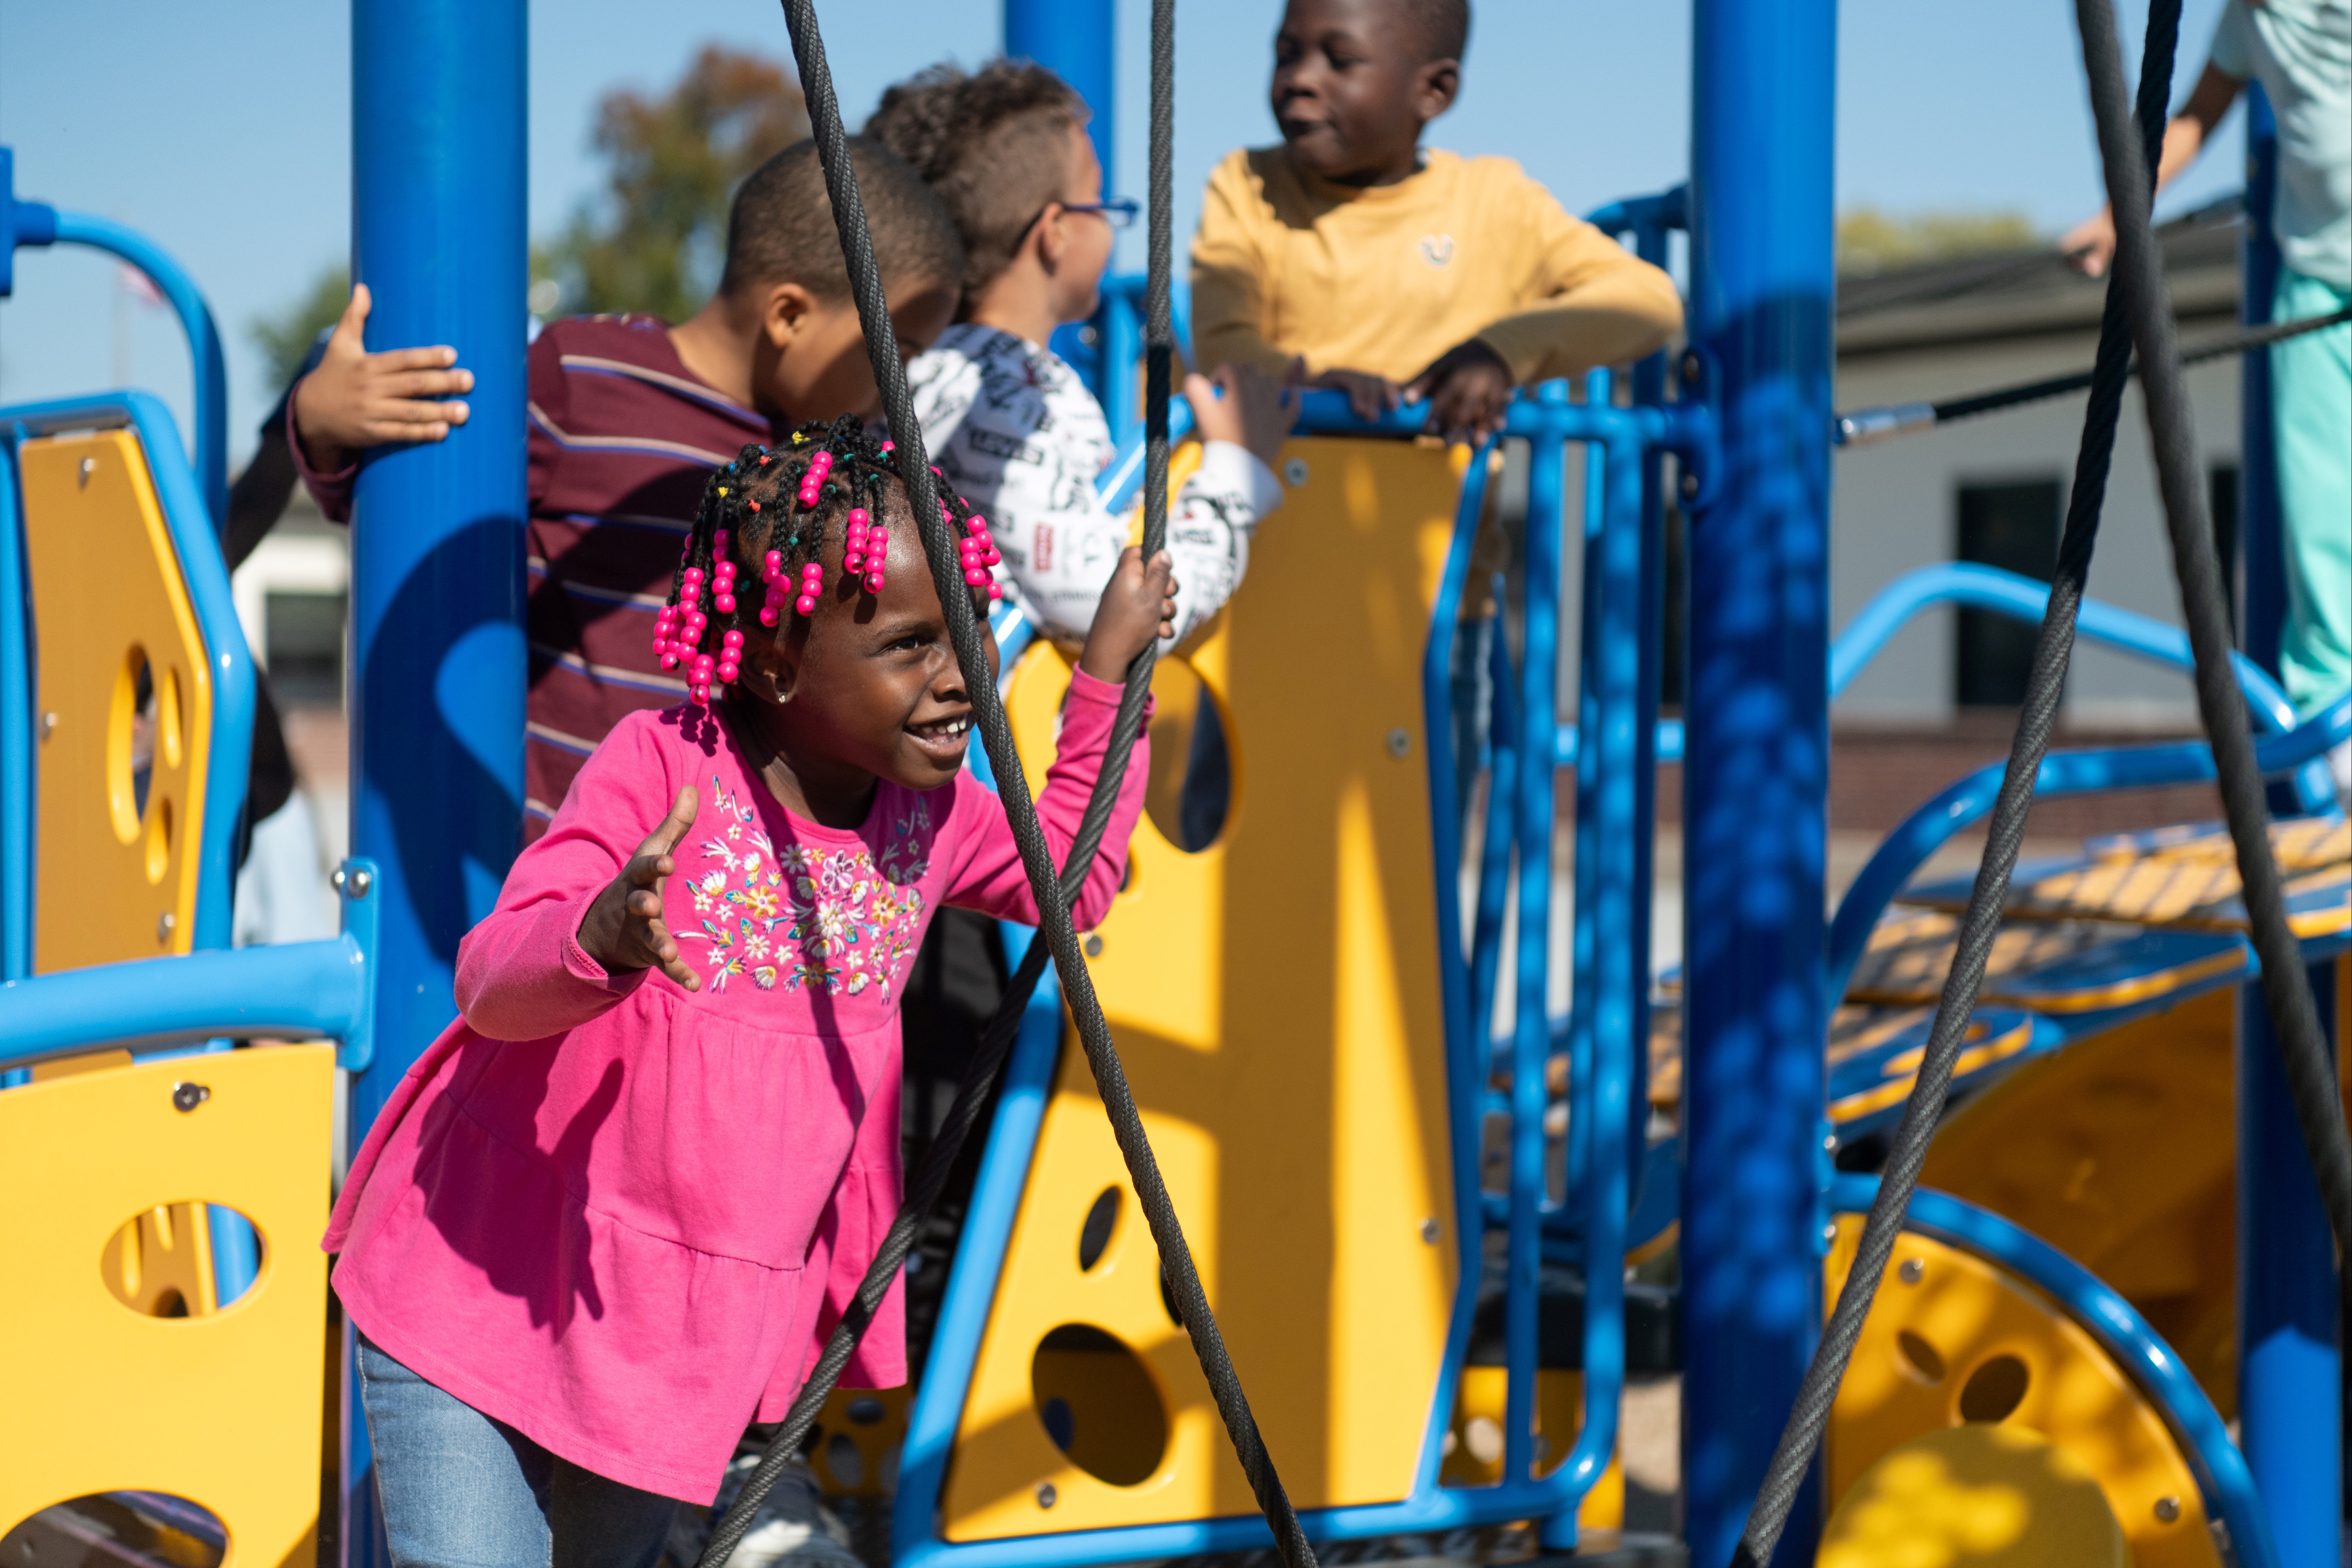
(37, 223)
(2221, 1469)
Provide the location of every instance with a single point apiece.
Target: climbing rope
(1809, 1415)
(1866, 426)
(1053, 891)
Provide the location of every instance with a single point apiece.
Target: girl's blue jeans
(462, 1490)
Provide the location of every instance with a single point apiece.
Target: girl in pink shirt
(610, 1216)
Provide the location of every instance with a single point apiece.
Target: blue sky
(225, 131)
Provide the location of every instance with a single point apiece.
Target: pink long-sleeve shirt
(622, 1217)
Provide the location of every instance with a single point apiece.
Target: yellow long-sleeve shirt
(1387, 279)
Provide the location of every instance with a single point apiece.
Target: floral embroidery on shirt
(812, 915)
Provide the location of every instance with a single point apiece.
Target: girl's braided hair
(771, 510)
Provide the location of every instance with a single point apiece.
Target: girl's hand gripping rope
(1138, 608)
(623, 930)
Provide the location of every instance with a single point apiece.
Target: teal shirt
(2301, 51)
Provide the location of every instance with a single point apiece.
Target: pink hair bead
(994, 592)
(718, 541)
(992, 556)
(727, 674)
(975, 577)
(873, 581)
(858, 516)
(668, 660)
(726, 603)
(853, 563)
(889, 446)
(976, 525)
(769, 615)
(732, 640)
(701, 693)
(805, 604)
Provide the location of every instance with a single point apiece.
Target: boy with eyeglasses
(1010, 423)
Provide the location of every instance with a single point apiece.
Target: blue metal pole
(1756, 756)
(2289, 1370)
(2259, 546)
(1077, 41)
(438, 98)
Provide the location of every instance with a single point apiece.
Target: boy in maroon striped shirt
(628, 416)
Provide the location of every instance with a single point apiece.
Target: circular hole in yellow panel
(1094, 1236)
(181, 1260)
(1099, 1404)
(120, 1526)
(1994, 1389)
(129, 743)
(168, 724)
(1191, 794)
(1919, 1358)
(159, 840)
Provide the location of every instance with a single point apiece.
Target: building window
(305, 653)
(2013, 526)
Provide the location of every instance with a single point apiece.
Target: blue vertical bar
(1077, 41)
(2261, 550)
(1756, 762)
(1584, 910)
(17, 741)
(2289, 1387)
(1531, 1035)
(438, 99)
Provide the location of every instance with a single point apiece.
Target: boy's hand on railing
(624, 930)
(1368, 395)
(355, 400)
(1255, 411)
(1468, 390)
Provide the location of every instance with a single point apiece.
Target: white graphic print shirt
(1020, 437)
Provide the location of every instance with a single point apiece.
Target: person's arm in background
(2090, 245)
(1061, 544)
(355, 400)
(1598, 304)
(1229, 272)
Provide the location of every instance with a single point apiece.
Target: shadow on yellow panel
(1975, 1496)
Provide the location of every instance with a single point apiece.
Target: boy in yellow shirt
(1393, 273)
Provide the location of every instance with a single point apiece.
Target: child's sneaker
(793, 1527)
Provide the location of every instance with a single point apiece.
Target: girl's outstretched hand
(624, 930)
(1139, 606)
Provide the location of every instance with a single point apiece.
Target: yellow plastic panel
(1975, 1496)
(221, 1408)
(1276, 1001)
(2121, 1151)
(1954, 1339)
(113, 880)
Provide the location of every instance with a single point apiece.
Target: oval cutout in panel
(118, 1527)
(129, 744)
(181, 1260)
(167, 721)
(1919, 1358)
(1994, 1389)
(1190, 798)
(158, 842)
(1099, 1404)
(1094, 1236)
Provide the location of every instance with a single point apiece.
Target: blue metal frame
(230, 661)
(37, 223)
(1617, 441)
(16, 722)
(2121, 1333)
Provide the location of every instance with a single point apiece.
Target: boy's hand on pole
(355, 400)
(1139, 606)
(1468, 390)
(624, 930)
(1368, 395)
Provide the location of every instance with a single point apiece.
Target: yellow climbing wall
(110, 1383)
(121, 780)
(1275, 997)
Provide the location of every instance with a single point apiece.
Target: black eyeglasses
(1120, 211)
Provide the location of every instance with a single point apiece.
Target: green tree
(654, 239)
(1870, 241)
(284, 338)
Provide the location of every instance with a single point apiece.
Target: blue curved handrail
(37, 223)
(1928, 829)
(2121, 1333)
(2025, 599)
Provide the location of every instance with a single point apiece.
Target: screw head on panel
(186, 1097)
(1913, 1269)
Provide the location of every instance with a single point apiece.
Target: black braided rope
(1057, 935)
(1809, 1415)
(2286, 990)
